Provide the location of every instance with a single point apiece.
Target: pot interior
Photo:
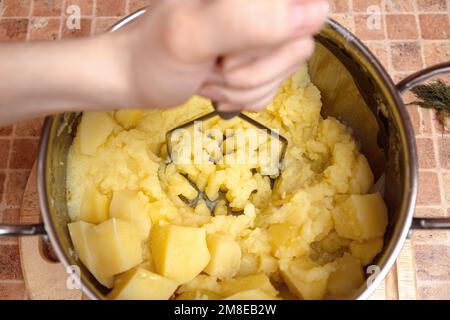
(354, 88)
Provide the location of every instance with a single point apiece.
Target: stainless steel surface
(341, 67)
(11, 230)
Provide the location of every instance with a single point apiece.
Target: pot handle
(16, 230)
(406, 84)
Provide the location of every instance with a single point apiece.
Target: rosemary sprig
(434, 95)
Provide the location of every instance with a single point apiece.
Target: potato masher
(225, 116)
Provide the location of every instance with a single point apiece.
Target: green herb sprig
(434, 95)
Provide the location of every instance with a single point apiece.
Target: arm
(163, 58)
(42, 78)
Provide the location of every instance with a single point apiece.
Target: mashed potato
(308, 235)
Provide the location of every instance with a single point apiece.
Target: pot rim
(406, 135)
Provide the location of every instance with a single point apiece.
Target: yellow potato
(367, 250)
(225, 256)
(362, 177)
(117, 246)
(94, 129)
(260, 281)
(128, 205)
(94, 206)
(179, 252)
(294, 230)
(305, 278)
(254, 294)
(128, 118)
(347, 278)
(141, 284)
(80, 232)
(107, 249)
(361, 217)
(199, 295)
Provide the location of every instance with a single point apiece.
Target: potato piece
(128, 118)
(280, 234)
(347, 278)
(225, 256)
(180, 253)
(141, 284)
(94, 129)
(202, 209)
(249, 264)
(199, 295)
(107, 249)
(94, 206)
(366, 251)
(361, 217)
(305, 278)
(255, 294)
(80, 233)
(362, 176)
(127, 205)
(260, 281)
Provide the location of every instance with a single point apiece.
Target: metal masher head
(225, 116)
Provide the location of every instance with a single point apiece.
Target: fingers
(229, 26)
(254, 99)
(266, 68)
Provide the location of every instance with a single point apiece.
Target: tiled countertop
(411, 34)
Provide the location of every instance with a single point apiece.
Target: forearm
(43, 78)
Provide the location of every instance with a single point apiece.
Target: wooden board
(45, 279)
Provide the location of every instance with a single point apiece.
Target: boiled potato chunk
(366, 251)
(117, 246)
(128, 118)
(179, 252)
(80, 233)
(107, 249)
(255, 294)
(94, 206)
(361, 217)
(225, 256)
(128, 205)
(141, 284)
(94, 129)
(199, 295)
(305, 278)
(362, 177)
(260, 281)
(347, 277)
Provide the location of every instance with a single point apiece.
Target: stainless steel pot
(355, 88)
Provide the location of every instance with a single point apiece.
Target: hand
(236, 52)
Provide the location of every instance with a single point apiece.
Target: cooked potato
(254, 294)
(367, 250)
(290, 225)
(179, 253)
(94, 129)
(259, 281)
(94, 206)
(225, 256)
(107, 249)
(128, 118)
(199, 295)
(347, 277)
(305, 278)
(362, 177)
(130, 206)
(361, 217)
(141, 284)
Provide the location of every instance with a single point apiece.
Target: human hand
(236, 52)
